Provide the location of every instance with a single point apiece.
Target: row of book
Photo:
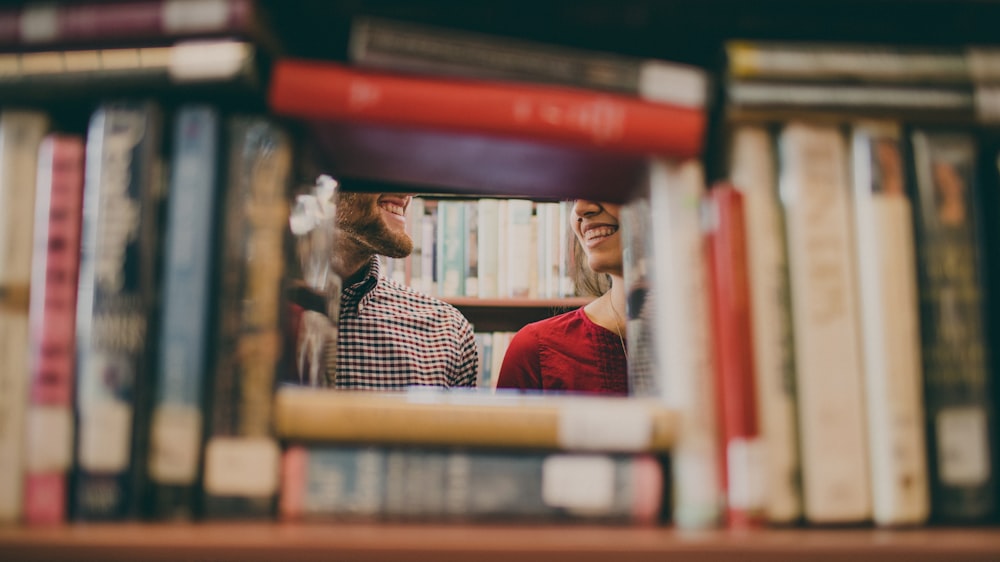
(107, 373)
(487, 248)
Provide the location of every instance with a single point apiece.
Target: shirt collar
(352, 295)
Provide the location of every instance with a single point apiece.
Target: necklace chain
(618, 326)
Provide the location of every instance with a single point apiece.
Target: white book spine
(21, 134)
(890, 327)
(752, 171)
(503, 242)
(414, 224)
(682, 336)
(520, 248)
(816, 192)
(489, 215)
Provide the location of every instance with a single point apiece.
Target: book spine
(451, 241)
(421, 484)
(669, 330)
(406, 46)
(572, 117)
(752, 171)
(521, 249)
(52, 316)
(489, 217)
(116, 308)
(890, 327)
(585, 423)
(749, 99)
(42, 23)
(744, 455)
(21, 133)
(957, 380)
(176, 427)
(845, 62)
(815, 191)
(47, 75)
(241, 453)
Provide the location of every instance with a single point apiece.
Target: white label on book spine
(39, 23)
(105, 436)
(194, 61)
(605, 427)
(746, 460)
(50, 438)
(579, 482)
(963, 446)
(175, 444)
(185, 16)
(242, 466)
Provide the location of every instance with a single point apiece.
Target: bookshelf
(370, 542)
(675, 29)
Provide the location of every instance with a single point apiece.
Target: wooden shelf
(498, 315)
(248, 542)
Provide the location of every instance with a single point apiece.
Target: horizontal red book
(323, 90)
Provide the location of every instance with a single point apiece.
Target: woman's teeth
(600, 232)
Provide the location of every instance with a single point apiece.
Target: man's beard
(360, 218)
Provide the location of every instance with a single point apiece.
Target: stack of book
(433, 455)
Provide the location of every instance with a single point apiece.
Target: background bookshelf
(677, 30)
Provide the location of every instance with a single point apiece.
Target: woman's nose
(583, 207)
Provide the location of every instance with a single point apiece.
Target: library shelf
(510, 314)
(302, 542)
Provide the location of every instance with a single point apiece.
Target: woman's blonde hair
(586, 282)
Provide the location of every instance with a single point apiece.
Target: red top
(568, 352)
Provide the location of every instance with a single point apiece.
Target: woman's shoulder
(560, 322)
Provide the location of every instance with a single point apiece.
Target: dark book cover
(957, 375)
(116, 308)
(242, 456)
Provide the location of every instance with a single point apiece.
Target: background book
(240, 473)
(55, 269)
(890, 327)
(435, 50)
(742, 461)
(752, 169)
(182, 361)
(21, 134)
(815, 190)
(957, 375)
(38, 25)
(116, 308)
(420, 484)
(671, 360)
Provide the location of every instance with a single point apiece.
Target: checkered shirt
(392, 337)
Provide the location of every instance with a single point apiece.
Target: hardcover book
(729, 289)
(752, 171)
(21, 133)
(815, 191)
(327, 91)
(38, 24)
(890, 327)
(183, 353)
(116, 309)
(203, 66)
(474, 419)
(240, 476)
(669, 334)
(434, 50)
(958, 382)
(52, 341)
(419, 484)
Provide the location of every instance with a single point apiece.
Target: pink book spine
(45, 23)
(55, 269)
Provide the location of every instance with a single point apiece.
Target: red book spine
(52, 315)
(730, 296)
(570, 116)
(47, 23)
